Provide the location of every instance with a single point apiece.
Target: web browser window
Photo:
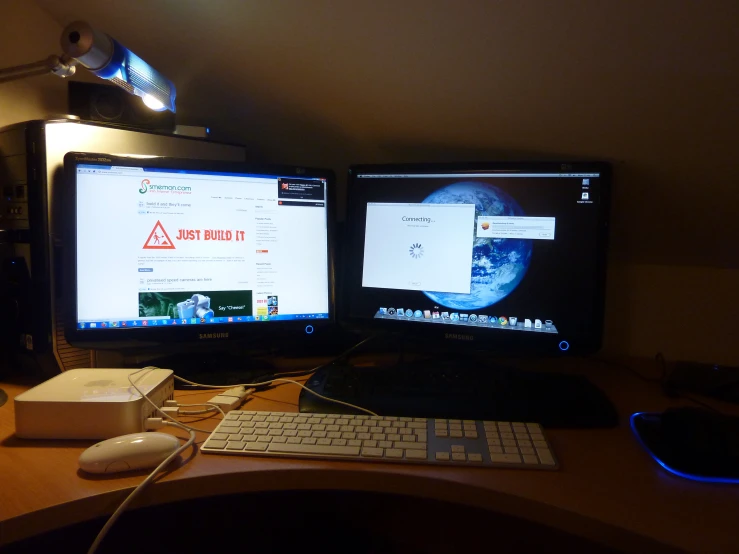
(168, 247)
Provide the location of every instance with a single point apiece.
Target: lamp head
(109, 59)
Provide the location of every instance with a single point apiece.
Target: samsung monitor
(506, 257)
(162, 250)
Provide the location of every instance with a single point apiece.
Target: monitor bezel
(467, 338)
(248, 332)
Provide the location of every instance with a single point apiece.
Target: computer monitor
(162, 250)
(505, 257)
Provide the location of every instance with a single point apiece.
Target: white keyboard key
(441, 432)
(333, 435)
(494, 442)
(510, 450)
(545, 456)
(455, 434)
(318, 434)
(309, 440)
(419, 419)
(262, 432)
(533, 427)
(381, 436)
(415, 455)
(406, 438)
(474, 457)
(273, 418)
(260, 418)
(318, 427)
(505, 458)
(524, 442)
(347, 428)
(389, 437)
(526, 450)
(293, 440)
(504, 435)
(259, 446)
(459, 456)
(279, 439)
(249, 438)
(248, 425)
(234, 437)
(496, 449)
(508, 442)
(275, 432)
(370, 444)
(421, 437)
(540, 444)
(455, 421)
(325, 442)
(470, 434)
(290, 433)
(442, 456)
(405, 431)
(385, 444)
(354, 442)
(303, 427)
(394, 453)
(372, 452)
(361, 429)
(291, 426)
(333, 427)
(315, 449)
(415, 425)
(301, 419)
(411, 445)
(398, 423)
(219, 436)
(529, 459)
(304, 433)
(212, 443)
(338, 442)
(264, 439)
(364, 436)
(342, 421)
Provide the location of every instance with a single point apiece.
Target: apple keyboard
(382, 439)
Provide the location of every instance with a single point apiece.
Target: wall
(650, 86)
(28, 35)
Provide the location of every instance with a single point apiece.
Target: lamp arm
(63, 66)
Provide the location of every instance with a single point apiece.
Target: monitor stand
(457, 388)
(210, 368)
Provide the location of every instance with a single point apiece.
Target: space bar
(314, 449)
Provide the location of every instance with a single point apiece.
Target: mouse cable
(135, 492)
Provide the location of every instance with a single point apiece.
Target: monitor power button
(309, 329)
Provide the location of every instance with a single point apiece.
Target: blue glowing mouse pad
(692, 443)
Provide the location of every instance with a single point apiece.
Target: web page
(163, 247)
(419, 246)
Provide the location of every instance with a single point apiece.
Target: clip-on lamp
(106, 58)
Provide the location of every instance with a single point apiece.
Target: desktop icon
(144, 323)
(527, 323)
(174, 322)
(548, 323)
(473, 318)
(383, 311)
(444, 315)
(409, 313)
(454, 316)
(103, 324)
(586, 196)
(82, 325)
(493, 320)
(427, 314)
(513, 321)
(193, 320)
(418, 314)
(503, 320)
(435, 315)
(399, 311)
(114, 324)
(202, 320)
(482, 319)
(586, 181)
(537, 324)
(265, 318)
(123, 323)
(391, 311)
(93, 325)
(184, 322)
(230, 320)
(464, 317)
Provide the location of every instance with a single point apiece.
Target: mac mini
(91, 404)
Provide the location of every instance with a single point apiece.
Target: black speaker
(112, 104)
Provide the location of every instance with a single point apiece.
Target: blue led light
(564, 346)
(699, 478)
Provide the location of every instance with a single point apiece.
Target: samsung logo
(457, 336)
(205, 336)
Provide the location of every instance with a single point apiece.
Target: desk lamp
(106, 58)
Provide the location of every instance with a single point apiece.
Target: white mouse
(128, 452)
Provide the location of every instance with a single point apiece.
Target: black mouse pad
(679, 459)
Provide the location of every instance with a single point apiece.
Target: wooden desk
(608, 489)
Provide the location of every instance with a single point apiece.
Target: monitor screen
(504, 254)
(167, 249)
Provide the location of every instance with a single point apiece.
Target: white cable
(157, 408)
(283, 381)
(135, 492)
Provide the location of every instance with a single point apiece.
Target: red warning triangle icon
(158, 239)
